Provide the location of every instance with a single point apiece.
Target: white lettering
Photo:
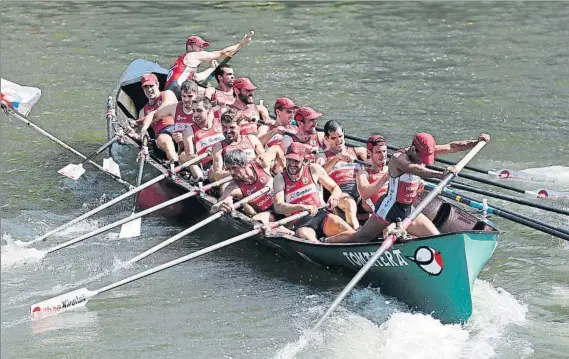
(400, 258)
(387, 259)
(390, 259)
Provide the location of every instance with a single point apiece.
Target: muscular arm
(329, 165)
(325, 180)
(285, 143)
(231, 192)
(202, 76)
(203, 56)
(217, 167)
(366, 189)
(280, 205)
(404, 165)
(209, 92)
(270, 156)
(259, 148)
(454, 146)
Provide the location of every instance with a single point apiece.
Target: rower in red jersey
(306, 121)
(299, 188)
(372, 181)
(245, 106)
(405, 169)
(223, 94)
(186, 66)
(274, 131)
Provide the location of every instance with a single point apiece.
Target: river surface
(454, 69)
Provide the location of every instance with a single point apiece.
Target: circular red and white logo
(428, 259)
(304, 180)
(263, 180)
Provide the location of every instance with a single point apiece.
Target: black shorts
(389, 213)
(169, 130)
(316, 223)
(175, 88)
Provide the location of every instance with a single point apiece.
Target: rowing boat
(434, 275)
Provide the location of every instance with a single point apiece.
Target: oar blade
(131, 229)
(112, 167)
(72, 171)
(62, 303)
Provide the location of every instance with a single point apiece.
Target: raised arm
(458, 146)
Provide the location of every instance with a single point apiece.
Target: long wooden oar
(132, 229)
(512, 216)
(196, 226)
(388, 242)
(472, 189)
(79, 297)
(116, 200)
(138, 215)
(62, 144)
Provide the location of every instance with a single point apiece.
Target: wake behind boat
(433, 274)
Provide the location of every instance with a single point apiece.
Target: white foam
(14, 254)
(413, 335)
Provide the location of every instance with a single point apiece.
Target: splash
(14, 253)
(403, 334)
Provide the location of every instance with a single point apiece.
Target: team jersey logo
(263, 180)
(304, 180)
(428, 259)
(245, 145)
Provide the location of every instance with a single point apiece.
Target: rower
(248, 177)
(306, 121)
(186, 66)
(163, 123)
(299, 188)
(202, 135)
(340, 166)
(234, 140)
(273, 132)
(245, 106)
(222, 94)
(405, 169)
(372, 181)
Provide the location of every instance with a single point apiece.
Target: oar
(116, 200)
(196, 226)
(61, 143)
(132, 229)
(79, 297)
(512, 216)
(472, 189)
(388, 242)
(75, 171)
(138, 215)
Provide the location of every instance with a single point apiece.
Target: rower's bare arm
(217, 167)
(280, 206)
(259, 148)
(271, 155)
(329, 165)
(458, 146)
(285, 143)
(189, 148)
(232, 191)
(361, 153)
(202, 76)
(209, 92)
(264, 135)
(364, 187)
(264, 113)
(405, 166)
(325, 180)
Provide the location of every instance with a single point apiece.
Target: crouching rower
(372, 182)
(200, 136)
(248, 177)
(299, 188)
(341, 167)
(405, 169)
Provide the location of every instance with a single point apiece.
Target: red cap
(196, 40)
(296, 151)
(376, 140)
(149, 79)
(306, 113)
(285, 102)
(425, 146)
(243, 83)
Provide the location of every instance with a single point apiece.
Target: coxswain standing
(186, 66)
(405, 169)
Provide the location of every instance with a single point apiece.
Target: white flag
(20, 98)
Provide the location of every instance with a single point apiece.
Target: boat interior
(447, 217)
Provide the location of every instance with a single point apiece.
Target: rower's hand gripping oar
(79, 297)
(116, 200)
(388, 242)
(196, 226)
(132, 228)
(76, 171)
(138, 215)
(10, 111)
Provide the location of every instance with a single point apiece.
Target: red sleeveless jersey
(204, 139)
(164, 121)
(265, 201)
(302, 191)
(278, 138)
(179, 72)
(313, 142)
(404, 188)
(250, 117)
(183, 120)
(373, 177)
(244, 145)
(343, 172)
